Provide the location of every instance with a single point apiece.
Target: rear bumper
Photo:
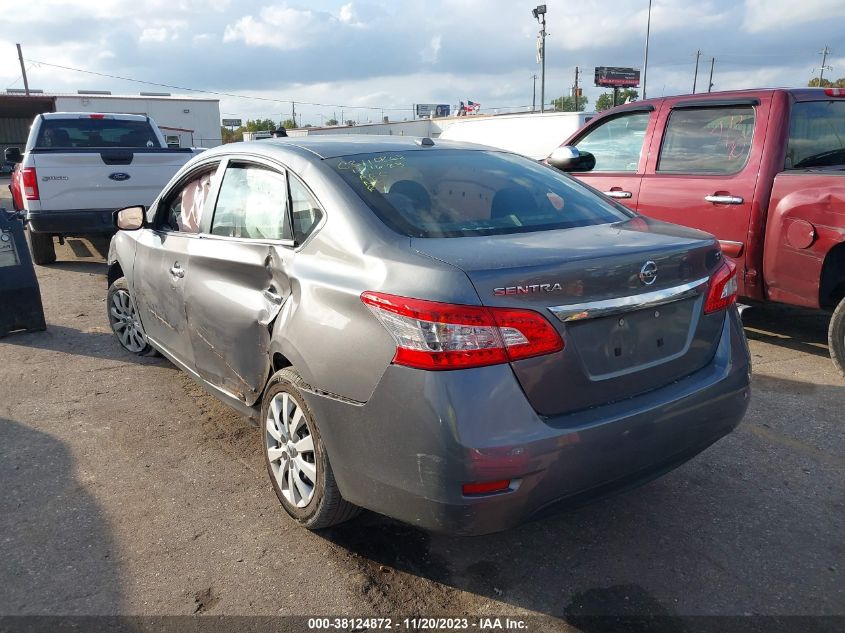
(407, 451)
(72, 221)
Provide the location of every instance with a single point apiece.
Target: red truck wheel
(836, 337)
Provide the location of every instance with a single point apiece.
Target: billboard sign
(425, 110)
(232, 122)
(616, 77)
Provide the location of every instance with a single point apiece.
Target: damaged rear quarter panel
(792, 274)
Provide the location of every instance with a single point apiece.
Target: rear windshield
(454, 193)
(816, 135)
(67, 133)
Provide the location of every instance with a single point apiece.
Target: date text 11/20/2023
(418, 623)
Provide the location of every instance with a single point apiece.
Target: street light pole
(540, 14)
(645, 62)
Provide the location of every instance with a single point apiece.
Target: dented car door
(238, 282)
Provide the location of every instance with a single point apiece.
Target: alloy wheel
(290, 449)
(125, 323)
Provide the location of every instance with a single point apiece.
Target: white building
(185, 121)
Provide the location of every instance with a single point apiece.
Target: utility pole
(23, 71)
(823, 53)
(534, 94)
(695, 77)
(645, 62)
(576, 89)
(540, 13)
(293, 112)
(710, 84)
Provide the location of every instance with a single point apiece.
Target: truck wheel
(42, 248)
(836, 337)
(296, 458)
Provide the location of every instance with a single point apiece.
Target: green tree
(231, 136)
(331, 122)
(288, 124)
(567, 104)
(826, 83)
(260, 125)
(605, 101)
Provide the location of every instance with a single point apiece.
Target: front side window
(816, 135)
(707, 140)
(101, 132)
(183, 210)
(453, 193)
(618, 143)
(252, 204)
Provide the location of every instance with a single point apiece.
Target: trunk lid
(627, 299)
(104, 179)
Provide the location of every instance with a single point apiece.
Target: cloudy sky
(389, 54)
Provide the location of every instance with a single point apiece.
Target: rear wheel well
(115, 273)
(832, 286)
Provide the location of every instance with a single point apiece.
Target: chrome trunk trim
(609, 307)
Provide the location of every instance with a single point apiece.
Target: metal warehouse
(184, 121)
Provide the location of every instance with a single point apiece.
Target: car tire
(299, 468)
(836, 337)
(42, 248)
(124, 321)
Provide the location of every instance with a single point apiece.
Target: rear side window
(306, 212)
(617, 143)
(816, 134)
(453, 193)
(707, 140)
(95, 133)
(252, 203)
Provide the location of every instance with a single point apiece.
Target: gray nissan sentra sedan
(451, 335)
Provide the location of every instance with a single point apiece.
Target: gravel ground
(127, 489)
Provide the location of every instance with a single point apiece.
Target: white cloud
(280, 27)
(767, 15)
(154, 35)
(429, 53)
(347, 14)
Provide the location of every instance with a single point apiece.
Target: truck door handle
(617, 193)
(724, 199)
(177, 271)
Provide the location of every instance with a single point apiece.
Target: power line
(213, 92)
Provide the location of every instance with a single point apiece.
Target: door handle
(617, 193)
(177, 271)
(724, 199)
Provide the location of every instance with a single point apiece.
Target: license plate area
(635, 340)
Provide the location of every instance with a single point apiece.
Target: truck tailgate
(105, 179)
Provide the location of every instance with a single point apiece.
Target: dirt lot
(126, 489)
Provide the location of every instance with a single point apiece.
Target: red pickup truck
(762, 170)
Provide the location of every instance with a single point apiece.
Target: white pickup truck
(77, 168)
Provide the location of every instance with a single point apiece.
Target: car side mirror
(570, 158)
(13, 155)
(130, 218)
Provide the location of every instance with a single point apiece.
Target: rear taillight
(434, 335)
(723, 288)
(29, 183)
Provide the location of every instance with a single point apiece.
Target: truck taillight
(723, 288)
(29, 183)
(433, 335)
(835, 92)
